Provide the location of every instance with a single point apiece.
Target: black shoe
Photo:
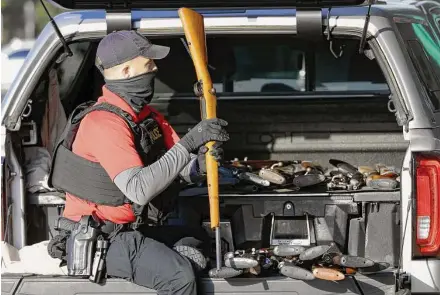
(197, 259)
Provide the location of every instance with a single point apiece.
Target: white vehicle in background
(13, 57)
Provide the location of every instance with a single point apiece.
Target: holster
(81, 246)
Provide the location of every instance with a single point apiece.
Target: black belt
(112, 229)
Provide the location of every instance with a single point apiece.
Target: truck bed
(379, 283)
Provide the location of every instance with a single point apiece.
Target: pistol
(63, 223)
(356, 177)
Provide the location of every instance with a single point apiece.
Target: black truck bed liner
(380, 283)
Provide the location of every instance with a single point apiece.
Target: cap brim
(156, 52)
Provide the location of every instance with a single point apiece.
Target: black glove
(216, 152)
(206, 131)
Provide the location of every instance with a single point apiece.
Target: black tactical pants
(153, 263)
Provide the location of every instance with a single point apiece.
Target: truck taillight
(428, 205)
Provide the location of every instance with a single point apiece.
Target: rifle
(194, 28)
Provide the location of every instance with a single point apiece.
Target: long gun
(194, 28)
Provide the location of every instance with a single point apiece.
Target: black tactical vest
(88, 180)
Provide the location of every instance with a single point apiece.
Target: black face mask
(136, 91)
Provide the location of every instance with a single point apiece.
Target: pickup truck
(296, 80)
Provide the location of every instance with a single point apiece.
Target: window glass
(350, 72)
(269, 65)
(237, 64)
(267, 68)
(424, 50)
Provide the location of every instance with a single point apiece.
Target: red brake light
(428, 206)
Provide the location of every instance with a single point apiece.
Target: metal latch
(28, 133)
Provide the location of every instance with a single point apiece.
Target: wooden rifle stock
(194, 28)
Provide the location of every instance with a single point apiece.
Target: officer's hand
(206, 131)
(216, 152)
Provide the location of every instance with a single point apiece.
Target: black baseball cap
(121, 46)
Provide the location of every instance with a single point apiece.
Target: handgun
(356, 178)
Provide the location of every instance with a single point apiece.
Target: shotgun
(194, 29)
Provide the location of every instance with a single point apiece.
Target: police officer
(121, 154)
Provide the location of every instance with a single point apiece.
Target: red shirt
(105, 138)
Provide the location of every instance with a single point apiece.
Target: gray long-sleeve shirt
(142, 184)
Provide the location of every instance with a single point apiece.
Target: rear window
(241, 65)
(423, 46)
